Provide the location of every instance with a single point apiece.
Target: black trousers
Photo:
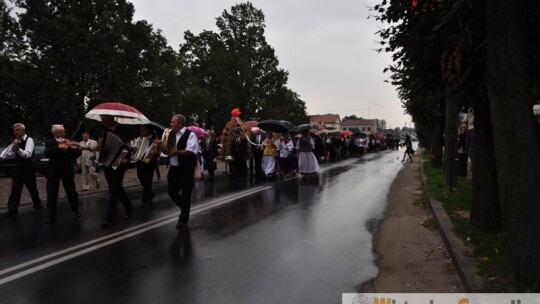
(23, 175)
(257, 158)
(145, 174)
(115, 178)
(180, 188)
(53, 185)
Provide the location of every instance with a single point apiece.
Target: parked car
(38, 158)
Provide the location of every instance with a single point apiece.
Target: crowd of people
(268, 155)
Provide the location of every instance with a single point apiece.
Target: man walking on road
(23, 172)
(182, 163)
(88, 158)
(115, 176)
(60, 153)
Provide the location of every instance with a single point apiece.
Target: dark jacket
(60, 161)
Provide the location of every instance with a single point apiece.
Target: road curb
(462, 255)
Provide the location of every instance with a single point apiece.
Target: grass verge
(491, 250)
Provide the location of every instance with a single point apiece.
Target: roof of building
(325, 118)
(359, 122)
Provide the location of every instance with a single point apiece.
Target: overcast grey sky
(328, 48)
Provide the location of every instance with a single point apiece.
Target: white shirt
(26, 153)
(285, 148)
(191, 145)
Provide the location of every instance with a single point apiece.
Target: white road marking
(115, 237)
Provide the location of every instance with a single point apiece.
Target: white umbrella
(123, 113)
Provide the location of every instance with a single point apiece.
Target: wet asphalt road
(282, 241)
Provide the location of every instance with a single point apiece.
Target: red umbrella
(124, 114)
(345, 133)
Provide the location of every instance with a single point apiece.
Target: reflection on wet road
(286, 241)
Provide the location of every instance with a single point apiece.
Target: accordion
(113, 150)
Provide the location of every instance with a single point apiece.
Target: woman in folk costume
(307, 162)
(269, 156)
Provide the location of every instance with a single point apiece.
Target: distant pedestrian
(408, 148)
(257, 150)
(23, 173)
(61, 153)
(307, 162)
(285, 147)
(269, 156)
(88, 161)
(209, 147)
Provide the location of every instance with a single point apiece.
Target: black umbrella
(273, 125)
(361, 134)
(156, 127)
(303, 127)
(287, 124)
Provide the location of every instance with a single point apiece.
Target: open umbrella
(345, 133)
(273, 125)
(361, 135)
(123, 113)
(287, 124)
(303, 127)
(327, 131)
(200, 132)
(158, 128)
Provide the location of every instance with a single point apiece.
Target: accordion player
(113, 150)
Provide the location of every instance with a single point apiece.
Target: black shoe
(8, 214)
(37, 209)
(50, 220)
(181, 226)
(78, 214)
(104, 224)
(127, 216)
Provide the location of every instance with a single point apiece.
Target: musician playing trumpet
(61, 152)
(146, 149)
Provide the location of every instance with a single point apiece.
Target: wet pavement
(281, 241)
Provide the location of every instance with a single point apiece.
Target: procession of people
(275, 150)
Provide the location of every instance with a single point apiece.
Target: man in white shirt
(23, 173)
(88, 157)
(182, 163)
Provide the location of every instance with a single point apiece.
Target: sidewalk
(412, 256)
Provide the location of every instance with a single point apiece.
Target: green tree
(236, 68)
(88, 52)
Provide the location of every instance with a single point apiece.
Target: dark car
(38, 158)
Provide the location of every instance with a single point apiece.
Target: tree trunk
(485, 207)
(437, 144)
(516, 157)
(450, 138)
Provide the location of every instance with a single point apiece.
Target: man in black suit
(23, 172)
(239, 151)
(145, 170)
(61, 154)
(182, 163)
(209, 150)
(115, 176)
(258, 138)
